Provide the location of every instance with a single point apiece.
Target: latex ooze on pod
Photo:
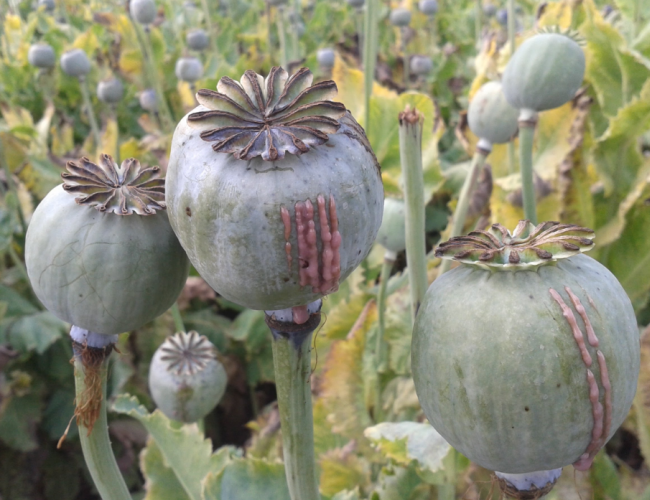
(526, 355)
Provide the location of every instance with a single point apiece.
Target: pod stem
(91, 369)
(410, 148)
(380, 350)
(178, 319)
(370, 41)
(292, 362)
(85, 92)
(208, 22)
(405, 57)
(511, 26)
(284, 61)
(460, 214)
(527, 122)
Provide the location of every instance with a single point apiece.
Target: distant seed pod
(149, 100)
(75, 62)
(41, 55)
(428, 7)
(489, 9)
(110, 91)
(400, 17)
(490, 116)
(197, 39)
(325, 58)
(421, 65)
(356, 3)
(186, 379)
(143, 11)
(189, 69)
(48, 4)
(502, 17)
(392, 232)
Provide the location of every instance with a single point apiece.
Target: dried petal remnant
(121, 190)
(268, 117)
(528, 245)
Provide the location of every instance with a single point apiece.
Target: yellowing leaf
(342, 386)
(131, 149)
(557, 14)
(186, 94)
(87, 41)
(341, 470)
(108, 143)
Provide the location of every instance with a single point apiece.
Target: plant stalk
(292, 362)
(527, 122)
(178, 319)
(85, 92)
(208, 22)
(511, 26)
(96, 444)
(465, 196)
(478, 22)
(370, 40)
(410, 146)
(405, 57)
(380, 347)
(284, 56)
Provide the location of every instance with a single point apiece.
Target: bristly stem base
(95, 442)
(410, 148)
(292, 362)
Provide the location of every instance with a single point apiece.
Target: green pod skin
(189, 69)
(501, 375)
(143, 11)
(100, 271)
(197, 40)
(75, 62)
(237, 219)
(186, 380)
(400, 17)
(392, 233)
(490, 117)
(41, 55)
(545, 72)
(110, 91)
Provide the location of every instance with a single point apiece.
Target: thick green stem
(527, 121)
(405, 57)
(284, 56)
(380, 347)
(370, 41)
(465, 196)
(292, 373)
(85, 92)
(410, 146)
(178, 319)
(96, 445)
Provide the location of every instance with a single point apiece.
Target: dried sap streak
(602, 415)
(319, 268)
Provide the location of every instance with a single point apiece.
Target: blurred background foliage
(592, 161)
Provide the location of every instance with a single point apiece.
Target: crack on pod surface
(602, 414)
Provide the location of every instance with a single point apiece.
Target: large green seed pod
(41, 55)
(186, 379)
(490, 117)
(266, 229)
(95, 260)
(526, 356)
(545, 72)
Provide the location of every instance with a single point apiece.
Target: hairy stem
(526, 135)
(85, 92)
(96, 444)
(460, 214)
(410, 146)
(292, 380)
(370, 40)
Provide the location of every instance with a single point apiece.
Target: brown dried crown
(121, 190)
(527, 246)
(268, 117)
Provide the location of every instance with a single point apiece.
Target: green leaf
(185, 450)
(35, 332)
(341, 469)
(401, 484)
(347, 495)
(16, 304)
(18, 421)
(247, 479)
(57, 414)
(162, 483)
(408, 441)
(605, 478)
